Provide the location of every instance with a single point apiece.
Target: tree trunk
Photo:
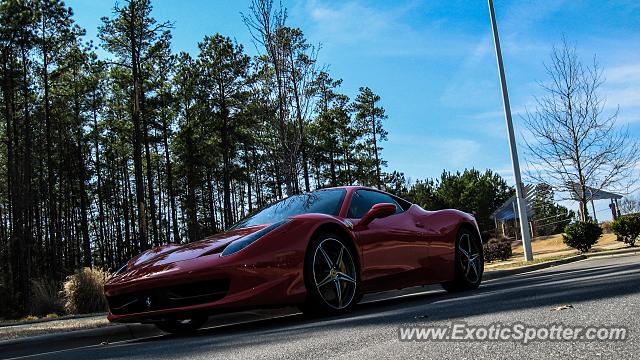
(375, 148)
(303, 150)
(191, 203)
(24, 252)
(84, 224)
(170, 188)
(101, 234)
(151, 195)
(212, 208)
(137, 131)
(226, 176)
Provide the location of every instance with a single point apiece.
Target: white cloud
(344, 21)
(469, 86)
(458, 152)
(625, 97)
(622, 89)
(492, 114)
(379, 30)
(454, 152)
(623, 74)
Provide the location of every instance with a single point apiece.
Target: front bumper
(208, 284)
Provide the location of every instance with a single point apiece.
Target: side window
(363, 200)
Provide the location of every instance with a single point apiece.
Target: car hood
(172, 253)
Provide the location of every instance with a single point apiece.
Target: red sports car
(321, 251)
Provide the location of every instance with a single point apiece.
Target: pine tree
(369, 118)
(133, 35)
(223, 66)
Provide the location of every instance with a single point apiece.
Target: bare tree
(301, 60)
(630, 205)
(265, 22)
(573, 144)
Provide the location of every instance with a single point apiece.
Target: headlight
(243, 242)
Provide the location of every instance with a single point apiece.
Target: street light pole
(522, 206)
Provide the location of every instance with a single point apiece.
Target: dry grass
(83, 291)
(520, 263)
(553, 244)
(548, 248)
(46, 298)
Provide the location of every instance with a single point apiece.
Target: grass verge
(522, 263)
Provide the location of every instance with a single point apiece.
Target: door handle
(419, 224)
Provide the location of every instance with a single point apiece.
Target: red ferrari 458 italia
(321, 251)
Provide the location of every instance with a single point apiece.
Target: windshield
(322, 202)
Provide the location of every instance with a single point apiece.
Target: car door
(393, 253)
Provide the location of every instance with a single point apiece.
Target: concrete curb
(496, 274)
(59, 318)
(114, 333)
(74, 339)
(633, 250)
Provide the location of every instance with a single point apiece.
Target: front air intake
(174, 296)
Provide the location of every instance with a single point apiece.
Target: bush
(581, 235)
(627, 228)
(497, 249)
(607, 227)
(83, 292)
(45, 298)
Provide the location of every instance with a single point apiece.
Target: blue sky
(433, 63)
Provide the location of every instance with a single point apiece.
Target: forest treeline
(101, 158)
(105, 156)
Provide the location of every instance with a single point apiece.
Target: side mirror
(377, 211)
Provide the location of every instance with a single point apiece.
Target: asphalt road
(602, 291)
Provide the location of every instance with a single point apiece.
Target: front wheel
(469, 263)
(181, 326)
(331, 276)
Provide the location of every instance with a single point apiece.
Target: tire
(469, 262)
(331, 275)
(182, 326)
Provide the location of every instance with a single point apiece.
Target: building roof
(509, 210)
(592, 194)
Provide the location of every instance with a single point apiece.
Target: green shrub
(497, 249)
(581, 235)
(45, 297)
(83, 291)
(627, 228)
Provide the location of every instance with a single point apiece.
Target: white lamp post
(522, 205)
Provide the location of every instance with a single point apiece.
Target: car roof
(350, 187)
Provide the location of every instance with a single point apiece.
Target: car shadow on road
(526, 291)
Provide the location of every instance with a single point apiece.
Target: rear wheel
(469, 263)
(331, 276)
(182, 326)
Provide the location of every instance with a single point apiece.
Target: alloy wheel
(334, 273)
(470, 258)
